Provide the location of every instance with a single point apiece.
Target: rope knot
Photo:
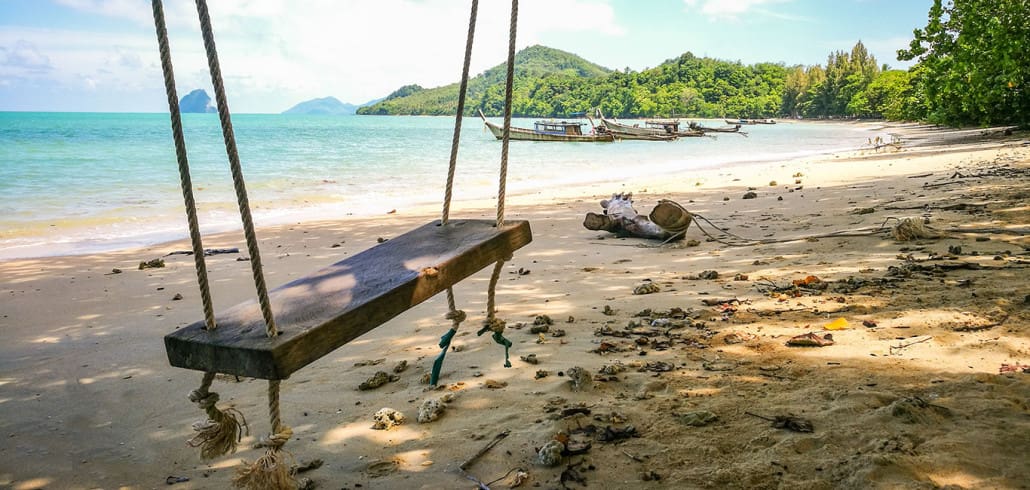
(456, 316)
(206, 399)
(494, 325)
(276, 440)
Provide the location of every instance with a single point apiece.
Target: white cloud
(275, 53)
(733, 9)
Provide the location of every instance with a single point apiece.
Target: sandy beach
(927, 385)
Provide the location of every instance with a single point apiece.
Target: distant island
(196, 102)
(330, 106)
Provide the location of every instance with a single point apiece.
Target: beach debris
(699, 418)
(381, 240)
(914, 409)
(378, 379)
(708, 275)
(542, 320)
(909, 229)
(750, 195)
(580, 379)
(518, 478)
(838, 324)
(493, 384)
(558, 332)
(861, 211)
(571, 474)
(810, 340)
(172, 480)
(612, 368)
(578, 410)
(116, 271)
(207, 251)
(425, 378)
(790, 422)
(177, 297)
(152, 264)
(541, 373)
(400, 367)
(311, 464)
(899, 347)
(608, 311)
(570, 319)
(869, 323)
(432, 408)
(369, 362)
(658, 367)
(550, 454)
(529, 359)
(610, 434)
(740, 277)
(809, 281)
(620, 218)
(671, 217)
(1014, 368)
(385, 418)
(646, 288)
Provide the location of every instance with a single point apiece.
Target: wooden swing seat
(320, 312)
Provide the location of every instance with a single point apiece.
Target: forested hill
(486, 90)
(550, 82)
(969, 69)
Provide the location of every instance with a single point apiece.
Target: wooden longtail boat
(722, 129)
(548, 131)
(750, 121)
(651, 128)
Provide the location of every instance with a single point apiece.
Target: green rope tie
(445, 344)
(497, 326)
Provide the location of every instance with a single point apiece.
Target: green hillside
(967, 71)
(486, 90)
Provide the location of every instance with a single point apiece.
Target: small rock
(381, 240)
(541, 374)
(551, 454)
(378, 379)
(646, 288)
(580, 379)
(750, 195)
(494, 384)
(530, 358)
(386, 418)
(400, 367)
(116, 271)
(708, 275)
(430, 410)
(152, 264)
(558, 332)
(699, 418)
(177, 297)
(535, 329)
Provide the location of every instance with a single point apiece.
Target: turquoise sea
(85, 182)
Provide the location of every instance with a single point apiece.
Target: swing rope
(220, 433)
(457, 316)
(234, 165)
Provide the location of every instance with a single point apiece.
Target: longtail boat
(651, 128)
(735, 128)
(750, 121)
(549, 131)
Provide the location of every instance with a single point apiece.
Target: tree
(972, 55)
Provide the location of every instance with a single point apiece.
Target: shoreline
(918, 399)
(112, 232)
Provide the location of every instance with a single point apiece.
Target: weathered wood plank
(320, 312)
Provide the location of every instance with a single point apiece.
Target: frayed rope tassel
(220, 433)
(275, 469)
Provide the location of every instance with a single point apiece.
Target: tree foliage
(973, 65)
(971, 69)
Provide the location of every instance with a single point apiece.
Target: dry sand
(87, 399)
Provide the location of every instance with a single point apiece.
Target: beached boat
(750, 121)
(721, 129)
(652, 128)
(549, 131)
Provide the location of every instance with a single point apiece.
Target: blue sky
(101, 55)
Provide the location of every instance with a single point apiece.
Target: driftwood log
(667, 221)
